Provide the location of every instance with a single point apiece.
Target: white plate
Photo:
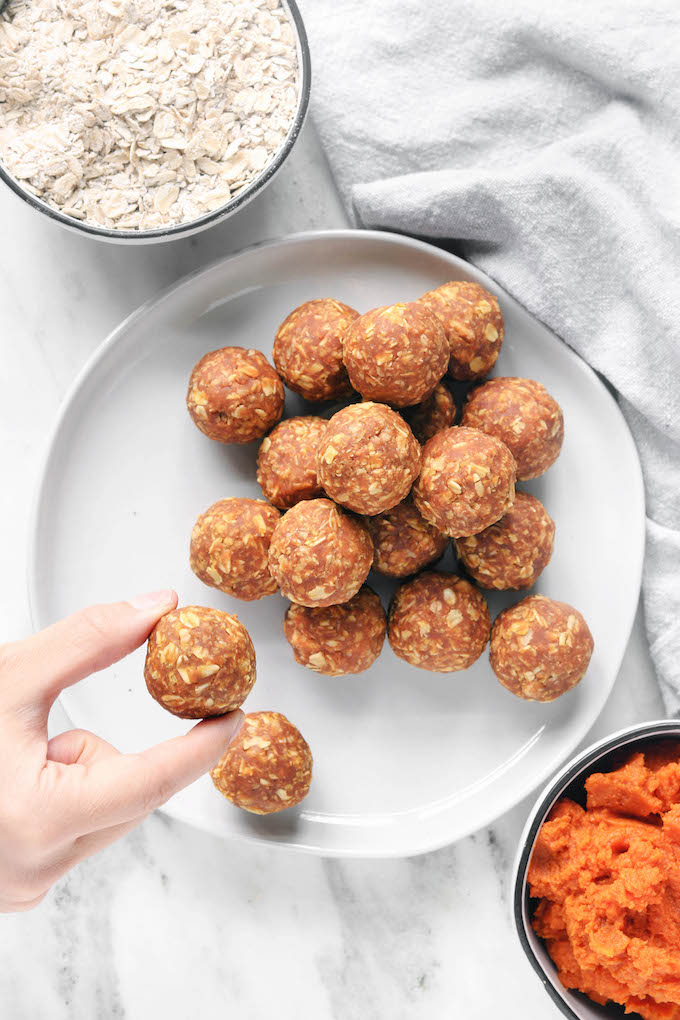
(405, 760)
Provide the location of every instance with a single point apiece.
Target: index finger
(34, 671)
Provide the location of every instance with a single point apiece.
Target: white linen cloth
(543, 139)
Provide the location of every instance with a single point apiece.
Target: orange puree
(608, 880)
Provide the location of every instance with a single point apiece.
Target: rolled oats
(286, 461)
(230, 547)
(134, 114)
(308, 349)
(234, 395)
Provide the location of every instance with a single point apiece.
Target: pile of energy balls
(383, 484)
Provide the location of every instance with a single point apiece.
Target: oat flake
(138, 114)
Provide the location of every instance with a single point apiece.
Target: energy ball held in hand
(434, 414)
(286, 462)
(319, 555)
(230, 547)
(267, 767)
(439, 622)
(403, 542)
(200, 662)
(234, 395)
(473, 324)
(540, 648)
(338, 640)
(396, 354)
(308, 349)
(368, 458)
(522, 414)
(466, 483)
(514, 551)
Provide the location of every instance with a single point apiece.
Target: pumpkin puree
(608, 880)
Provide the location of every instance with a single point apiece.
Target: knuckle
(155, 787)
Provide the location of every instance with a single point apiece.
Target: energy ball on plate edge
(368, 458)
(396, 354)
(267, 767)
(403, 542)
(514, 551)
(473, 324)
(308, 349)
(466, 483)
(439, 622)
(522, 414)
(540, 648)
(199, 662)
(436, 413)
(230, 547)
(338, 640)
(319, 555)
(234, 395)
(286, 462)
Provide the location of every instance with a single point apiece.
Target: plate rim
(637, 498)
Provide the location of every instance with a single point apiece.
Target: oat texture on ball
(234, 395)
(434, 414)
(522, 414)
(200, 662)
(338, 640)
(466, 482)
(438, 621)
(396, 354)
(473, 324)
(267, 767)
(368, 458)
(308, 349)
(230, 547)
(540, 648)
(319, 555)
(403, 542)
(286, 461)
(514, 551)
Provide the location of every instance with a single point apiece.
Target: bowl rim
(543, 804)
(239, 200)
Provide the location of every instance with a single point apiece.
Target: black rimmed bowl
(603, 756)
(239, 200)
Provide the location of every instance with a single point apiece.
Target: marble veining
(174, 923)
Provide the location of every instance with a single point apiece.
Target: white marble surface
(173, 923)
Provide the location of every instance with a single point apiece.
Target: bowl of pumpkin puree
(597, 879)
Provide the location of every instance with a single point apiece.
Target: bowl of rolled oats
(146, 120)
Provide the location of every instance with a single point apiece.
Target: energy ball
(286, 462)
(234, 395)
(368, 458)
(403, 542)
(513, 552)
(230, 547)
(466, 483)
(308, 349)
(199, 662)
(473, 324)
(540, 648)
(396, 354)
(439, 622)
(268, 767)
(319, 555)
(436, 413)
(338, 640)
(522, 414)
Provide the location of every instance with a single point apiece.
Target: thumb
(113, 790)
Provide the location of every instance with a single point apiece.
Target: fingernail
(154, 599)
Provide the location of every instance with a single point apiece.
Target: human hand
(64, 799)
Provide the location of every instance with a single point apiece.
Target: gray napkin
(544, 139)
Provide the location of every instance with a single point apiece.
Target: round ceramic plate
(404, 760)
